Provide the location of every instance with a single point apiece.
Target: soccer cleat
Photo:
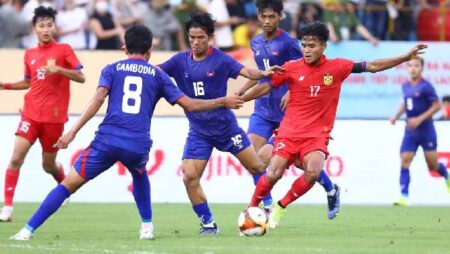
(275, 216)
(23, 235)
(334, 203)
(146, 231)
(403, 201)
(6, 214)
(208, 230)
(268, 209)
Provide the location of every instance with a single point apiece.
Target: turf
(113, 228)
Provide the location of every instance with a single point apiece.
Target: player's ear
(148, 54)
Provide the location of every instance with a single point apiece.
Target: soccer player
(134, 87)
(420, 104)
(314, 85)
(276, 47)
(202, 72)
(48, 70)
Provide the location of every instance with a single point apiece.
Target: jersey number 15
(131, 100)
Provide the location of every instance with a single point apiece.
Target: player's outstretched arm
(189, 104)
(414, 122)
(399, 113)
(383, 64)
(91, 109)
(255, 74)
(21, 85)
(248, 85)
(75, 75)
(257, 92)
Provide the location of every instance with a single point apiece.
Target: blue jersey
(205, 79)
(135, 86)
(418, 99)
(281, 49)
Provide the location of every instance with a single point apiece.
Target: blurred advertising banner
(378, 95)
(364, 161)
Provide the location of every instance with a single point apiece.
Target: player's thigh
(135, 163)
(313, 153)
(73, 181)
(49, 160)
(250, 160)
(49, 135)
(406, 159)
(21, 148)
(257, 141)
(277, 166)
(265, 154)
(92, 162)
(410, 143)
(28, 129)
(193, 169)
(431, 159)
(197, 147)
(260, 129)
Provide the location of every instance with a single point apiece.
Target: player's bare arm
(189, 104)
(255, 74)
(414, 122)
(75, 75)
(21, 85)
(284, 101)
(92, 108)
(398, 114)
(257, 92)
(248, 85)
(383, 64)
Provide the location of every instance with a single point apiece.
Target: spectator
(182, 13)
(404, 23)
(309, 12)
(375, 18)
(236, 10)
(13, 25)
(129, 12)
(71, 24)
(245, 32)
(162, 22)
(106, 28)
(446, 107)
(223, 38)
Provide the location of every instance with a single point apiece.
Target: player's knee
(190, 177)
(48, 166)
(274, 174)
(312, 172)
(256, 167)
(433, 165)
(16, 162)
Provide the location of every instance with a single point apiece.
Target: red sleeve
(279, 78)
(346, 67)
(27, 71)
(71, 59)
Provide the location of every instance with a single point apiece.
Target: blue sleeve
(294, 50)
(168, 90)
(170, 65)
(430, 93)
(232, 66)
(106, 77)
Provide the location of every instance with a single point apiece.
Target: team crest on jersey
(275, 53)
(328, 79)
(51, 61)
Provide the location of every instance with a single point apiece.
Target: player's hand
(50, 69)
(392, 120)
(272, 70)
(234, 102)
(413, 122)
(65, 140)
(284, 101)
(417, 50)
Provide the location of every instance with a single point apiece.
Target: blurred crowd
(100, 24)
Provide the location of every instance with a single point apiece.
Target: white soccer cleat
(6, 214)
(146, 231)
(23, 235)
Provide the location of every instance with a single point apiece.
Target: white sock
(331, 192)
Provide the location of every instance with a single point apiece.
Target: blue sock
(442, 170)
(325, 181)
(267, 200)
(404, 181)
(141, 193)
(50, 205)
(203, 213)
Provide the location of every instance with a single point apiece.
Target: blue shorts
(412, 141)
(261, 127)
(271, 141)
(200, 147)
(94, 160)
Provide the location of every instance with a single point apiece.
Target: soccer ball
(253, 222)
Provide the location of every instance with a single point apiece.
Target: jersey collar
(210, 52)
(47, 45)
(278, 33)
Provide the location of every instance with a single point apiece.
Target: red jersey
(314, 96)
(47, 100)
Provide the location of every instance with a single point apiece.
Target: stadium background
(364, 153)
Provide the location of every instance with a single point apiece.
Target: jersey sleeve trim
(177, 99)
(359, 67)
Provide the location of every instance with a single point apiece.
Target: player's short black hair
(42, 12)
(138, 39)
(316, 29)
(275, 5)
(201, 20)
(446, 98)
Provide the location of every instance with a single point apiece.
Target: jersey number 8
(131, 101)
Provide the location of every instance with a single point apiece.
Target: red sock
(11, 178)
(262, 189)
(61, 175)
(298, 188)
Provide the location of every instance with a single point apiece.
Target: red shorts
(48, 133)
(289, 148)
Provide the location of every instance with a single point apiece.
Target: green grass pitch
(113, 228)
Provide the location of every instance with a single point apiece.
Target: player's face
(414, 69)
(312, 49)
(45, 30)
(199, 40)
(269, 20)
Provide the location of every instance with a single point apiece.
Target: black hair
(446, 98)
(138, 39)
(201, 20)
(316, 29)
(275, 5)
(42, 12)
